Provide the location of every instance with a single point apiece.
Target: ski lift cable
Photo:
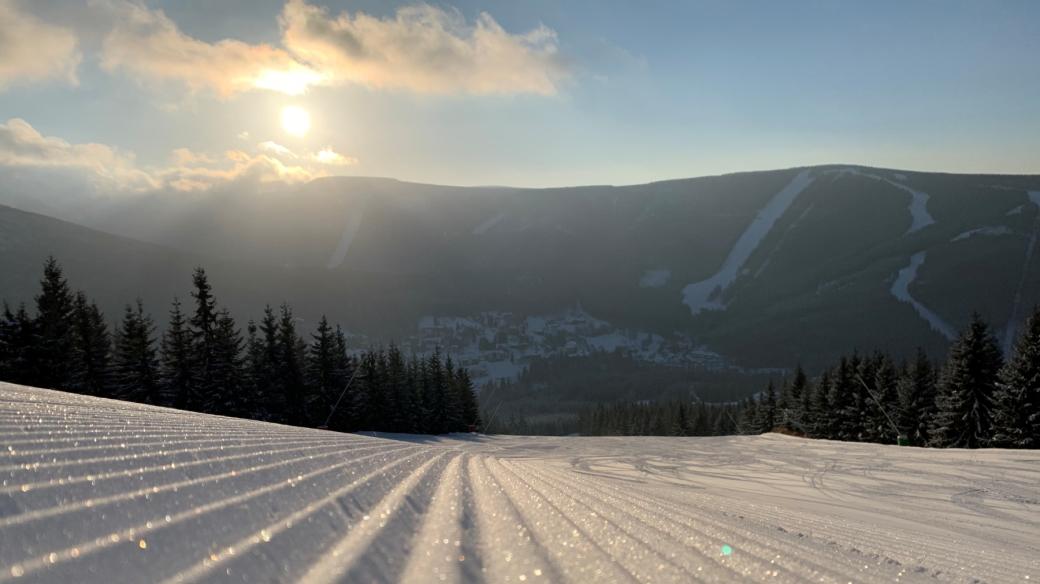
(880, 406)
(357, 370)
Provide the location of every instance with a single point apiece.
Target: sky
(189, 96)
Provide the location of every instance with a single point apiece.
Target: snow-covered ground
(704, 295)
(101, 491)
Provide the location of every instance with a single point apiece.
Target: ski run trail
(93, 490)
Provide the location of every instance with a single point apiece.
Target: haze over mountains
(758, 269)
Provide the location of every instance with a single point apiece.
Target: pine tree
(820, 418)
(19, 331)
(88, 366)
(226, 396)
(883, 403)
(845, 402)
(467, 399)
(323, 378)
(916, 399)
(203, 326)
(135, 367)
(964, 404)
(289, 369)
(53, 346)
(748, 422)
(176, 367)
(1016, 415)
(793, 412)
(767, 410)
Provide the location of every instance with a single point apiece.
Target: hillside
(102, 491)
(729, 269)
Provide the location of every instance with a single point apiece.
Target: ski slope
(100, 491)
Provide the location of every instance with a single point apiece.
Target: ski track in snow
(699, 296)
(489, 223)
(919, 215)
(95, 490)
(1016, 305)
(350, 231)
(901, 290)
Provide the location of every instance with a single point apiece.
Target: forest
(203, 362)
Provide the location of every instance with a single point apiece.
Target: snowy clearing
(101, 491)
(704, 295)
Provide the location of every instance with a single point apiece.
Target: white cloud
(111, 171)
(147, 44)
(21, 145)
(423, 48)
(32, 50)
(332, 158)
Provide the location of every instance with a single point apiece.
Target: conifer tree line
(204, 362)
(673, 418)
(975, 399)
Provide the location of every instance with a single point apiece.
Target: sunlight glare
(295, 120)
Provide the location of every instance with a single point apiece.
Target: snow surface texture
(901, 290)
(705, 295)
(101, 491)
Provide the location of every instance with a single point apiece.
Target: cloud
(421, 48)
(147, 44)
(111, 171)
(424, 49)
(23, 146)
(32, 50)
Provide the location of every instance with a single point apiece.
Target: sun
(295, 120)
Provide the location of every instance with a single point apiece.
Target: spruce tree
(89, 360)
(820, 415)
(52, 350)
(964, 404)
(793, 412)
(1016, 415)
(135, 367)
(176, 366)
(20, 331)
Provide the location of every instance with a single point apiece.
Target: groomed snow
(989, 230)
(703, 295)
(100, 491)
(901, 290)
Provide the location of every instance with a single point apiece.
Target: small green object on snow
(726, 550)
(903, 440)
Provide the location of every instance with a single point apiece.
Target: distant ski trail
(1016, 304)
(275, 503)
(901, 290)
(703, 295)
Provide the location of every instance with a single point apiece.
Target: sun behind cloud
(296, 120)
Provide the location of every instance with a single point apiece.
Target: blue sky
(603, 92)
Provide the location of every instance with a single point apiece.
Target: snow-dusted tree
(791, 412)
(916, 398)
(135, 364)
(882, 404)
(964, 402)
(1016, 414)
(89, 360)
(747, 423)
(767, 410)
